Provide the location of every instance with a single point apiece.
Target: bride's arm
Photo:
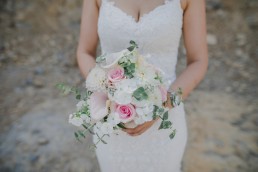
(88, 39)
(194, 33)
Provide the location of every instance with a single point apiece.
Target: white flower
(148, 108)
(106, 128)
(127, 85)
(85, 118)
(125, 89)
(146, 75)
(155, 97)
(73, 119)
(138, 120)
(147, 117)
(122, 97)
(96, 79)
(113, 119)
(112, 58)
(138, 103)
(80, 104)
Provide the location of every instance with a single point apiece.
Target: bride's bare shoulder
(186, 3)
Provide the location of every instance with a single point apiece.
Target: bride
(156, 26)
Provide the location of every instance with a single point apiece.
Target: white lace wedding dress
(157, 33)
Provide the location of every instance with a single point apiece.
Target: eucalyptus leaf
(140, 94)
(165, 125)
(84, 126)
(78, 97)
(101, 58)
(121, 126)
(81, 134)
(76, 135)
(172, 135)
(165, 116)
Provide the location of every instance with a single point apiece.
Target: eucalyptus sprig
(162, 113)
(65, 90)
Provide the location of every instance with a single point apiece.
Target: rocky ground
(37, 50)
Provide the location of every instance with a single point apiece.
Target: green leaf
(140, 94)
(121, 126)
(172, 135)
(155, 108)
(160, 110)
(165, 125)
(165, 115)
(84, 126)
(132, 46)
(81, 134)
(78, 97)
(76, 135)
(129, 69)
(101, 58)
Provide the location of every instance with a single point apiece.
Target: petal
(97, 104)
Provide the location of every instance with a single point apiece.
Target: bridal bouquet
(122, 89)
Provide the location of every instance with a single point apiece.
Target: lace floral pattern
(157, 33)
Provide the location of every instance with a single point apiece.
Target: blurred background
(38, 40)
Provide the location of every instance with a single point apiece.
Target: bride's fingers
(136, 129)
(141, 129)
(128, 130)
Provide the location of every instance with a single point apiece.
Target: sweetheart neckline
(145, 15)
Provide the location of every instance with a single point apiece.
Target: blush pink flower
(116, 74)
(163, 91)
(97, 105)
(125, 112)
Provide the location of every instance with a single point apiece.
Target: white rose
(127, 85)
(138, 120)
(113, 58)
(146, 75)
(113, 119)
(77, 121)
(155, 97)
(147, 117)
(122, 97)
(145, 110)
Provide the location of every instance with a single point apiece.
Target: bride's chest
(158, 30)
(166, 18)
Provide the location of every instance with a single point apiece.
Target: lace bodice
(157, 33)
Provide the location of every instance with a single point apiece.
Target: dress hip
(152, 151)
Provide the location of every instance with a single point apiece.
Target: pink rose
(126, 112)
(97, 106)
(116, 74)
(163, 91)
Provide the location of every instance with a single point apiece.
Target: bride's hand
(168, 103)
(143, 127)
(140, 128)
